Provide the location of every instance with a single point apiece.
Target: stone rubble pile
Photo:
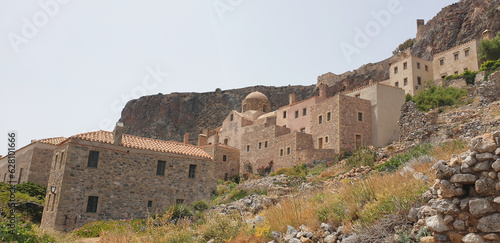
(489, 91)
(248, 205)
(326, 234)
(265, 182)
(416, 125)
(464, 203)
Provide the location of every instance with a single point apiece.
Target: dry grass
(293, 211)
(446, 150)
(333, 171)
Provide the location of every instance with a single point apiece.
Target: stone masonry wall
(327, 128)
(415, 125)
(464, 203)
(350, 126)
(230, 167)
(124, 181)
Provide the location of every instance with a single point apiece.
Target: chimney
(486, 35)
(202, 140)
(118, 133)
(292, 98)
(322, 90)
(420, 24)
(186, 138)
(370, 82)
(216, 138)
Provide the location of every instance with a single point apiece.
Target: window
(160, 168)
(358, 96)
(150, 204)
(260, 145)
(231, 117)
(416, 87)
(61, 160)
(284, 114)
(288, 150)
(265, 144)
(395, 70)
(360, 116)
(320, 119)
(244, 108)
(467, 52)
(224, 158)
(441, 62)
(226, 141)
(406, 81)
(418, 65)
(281, 152)
(465, 69)
(55, 162)
(303, 130)
(405, 66)
(443, 76)
(456, 72)
(328, 116)
(248, 148)
(320, 143)
(93, 158)
(326, 139)
(92, 204)
(358, 141)
(192, 171)
(304, 111)
(226, 176)
(419, 80)
(397, 84)
(179, 201)
(455, 56)
(296, 114)
(426, 68)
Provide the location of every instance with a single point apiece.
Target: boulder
(463, 178)
(483, 144)
(490, 224)
(492, 237)
(330, 239)
(479, 207)
(484, 156)
(436, 223)
(442, 170)
(496, 165)
(482, 166)
(428, 239)
(472, 238)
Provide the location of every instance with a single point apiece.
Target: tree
(407, 44)
(489, 50)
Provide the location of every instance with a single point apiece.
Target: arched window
(244, 108)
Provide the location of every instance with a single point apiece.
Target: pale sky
(68, 67)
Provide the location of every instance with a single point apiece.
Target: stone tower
(420, 24)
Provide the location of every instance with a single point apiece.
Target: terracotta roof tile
(130, 141)
(52, 141)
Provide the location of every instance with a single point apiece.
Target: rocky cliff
(168, 117)
(453, 25)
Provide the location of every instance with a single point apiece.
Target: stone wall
(415, 125)
(124, 181)
(451, 65)
(489, 91)
(464, 203)
(327, 128)
(224, 169)
(350, 126)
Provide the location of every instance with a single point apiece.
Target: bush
(490, 49)
(221, 228)
(405, 45)
(408, 97)
(22, 232)
(297, 171)
(200, 206)
(316, 170)
(99, 228)
(434, 97)
(361, 157)
(179, 211)
(401, 159)
(468, 75)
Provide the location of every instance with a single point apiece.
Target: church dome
(256, 95)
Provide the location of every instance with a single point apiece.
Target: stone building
(386, 102)
(110, 175)
(410, 73)
(301, 132)
(32, 162)
(226, 160)
(456, 60)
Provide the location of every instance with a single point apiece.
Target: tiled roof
(130, 141)
(52, 141)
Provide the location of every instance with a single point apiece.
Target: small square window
(296, 114)
(224, 158)
(360, 116)
(467, 52)
(441, 62)
(326, 139)
(150, 204)
(179, 201)
(226, 141)
(288, 150)
(328, 116)
(426, 68)
(396, 84)
(260, 145)
(304, 111)
(231, 118)
(320, 119)
(192, 171)
(418, 65)
(265, 144)
(303, 130)
(92, 204)
(284, 114)
(93, 158)
(465, 69)
(455, 56)
(395, 70)
(160, 168)
(281, 152)
(358, 96)
(406, 81)
(248, 148)
(405, 66)
(419, 80)
(456, 72)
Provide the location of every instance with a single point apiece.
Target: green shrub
(200, 206)
(316, 170)
(221, 228)
(408, 97)
(395, 162)
(490, 49)
(98, 228)
(22, 232)
(434, 97)
(179, 211)
(468, 75)
(297, 171)
(405, 45)
(30, 197)
(361, 157)
(237, 194)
